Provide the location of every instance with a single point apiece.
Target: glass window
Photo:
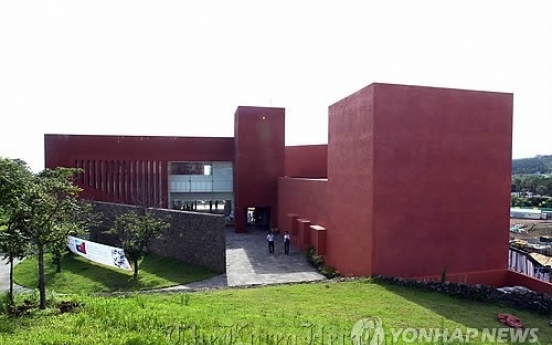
(191, 168)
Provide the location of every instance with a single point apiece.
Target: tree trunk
(58, 264)
(41, 283)
(11, 279)
(135, 268)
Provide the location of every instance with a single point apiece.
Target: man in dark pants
(270, 240)
(287, 239)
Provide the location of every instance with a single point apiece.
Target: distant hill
(538, 164)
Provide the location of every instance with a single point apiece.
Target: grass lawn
(79, 275)
(287, 314)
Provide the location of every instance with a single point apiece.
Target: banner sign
(100, 253)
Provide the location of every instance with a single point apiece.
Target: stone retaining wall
(193, 237)
(528, 300)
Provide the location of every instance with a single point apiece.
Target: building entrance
(258, 217)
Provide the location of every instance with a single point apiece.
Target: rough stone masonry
(192, 238)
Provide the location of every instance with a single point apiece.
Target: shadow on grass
(82, 276)
(471, 314)
(94, 277)
(172, 270)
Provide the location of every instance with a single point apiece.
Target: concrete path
(249, 263)
(5, 277)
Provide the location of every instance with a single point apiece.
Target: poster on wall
(100, 253)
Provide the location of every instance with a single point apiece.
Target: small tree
(38, 212)
(136, 232)
(541, 190)
(14, 242)
(52, 201)
(517, 182)
(77, 222)
(15, 179)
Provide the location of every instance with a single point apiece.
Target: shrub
(318, 261)
(313, 258)
(328, 271)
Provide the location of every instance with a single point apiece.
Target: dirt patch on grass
(533, 229)
(28, 306)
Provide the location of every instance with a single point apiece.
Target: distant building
(524, 213)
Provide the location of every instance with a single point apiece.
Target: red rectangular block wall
(302, 198)
(307, 161)
(303, 229)
(516, 279)
(318, 238)
(259, 147)
(441, 173)
(419, 181)
(350, 184)
(290, 224)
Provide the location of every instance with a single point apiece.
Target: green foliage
(539, 202)
(78, 222)
(15, 232)
(257, 316)
(328, 271)
(313, 258)
(52, 202)
(535, 184)
(83, 276)
(318, 261)
(5, 302)
(136, 231)
(38, 211)
(538, 164)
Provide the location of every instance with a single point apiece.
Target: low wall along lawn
(193, 238)
(520, 298)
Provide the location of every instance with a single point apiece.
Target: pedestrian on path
(270, 240)
(287, 239)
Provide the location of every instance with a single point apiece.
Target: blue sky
(182, 67)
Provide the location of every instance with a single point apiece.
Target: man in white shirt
(287, 240)
(270, 240)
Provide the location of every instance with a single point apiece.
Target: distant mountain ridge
(538, 164)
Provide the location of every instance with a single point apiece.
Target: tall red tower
(259, 154)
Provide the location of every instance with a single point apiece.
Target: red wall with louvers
(129, 169)
(259, 160)
(307, 161)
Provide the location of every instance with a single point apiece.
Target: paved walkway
(247, 263)
(5, 277)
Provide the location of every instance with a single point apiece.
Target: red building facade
(414, 180)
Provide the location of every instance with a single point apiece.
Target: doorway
(258, 217)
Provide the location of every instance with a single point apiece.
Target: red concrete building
(226, 175)
(414, 180)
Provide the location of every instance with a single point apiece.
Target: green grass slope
(82, 276)
(290, 314)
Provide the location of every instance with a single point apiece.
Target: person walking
(270, 240)
(287, 240)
